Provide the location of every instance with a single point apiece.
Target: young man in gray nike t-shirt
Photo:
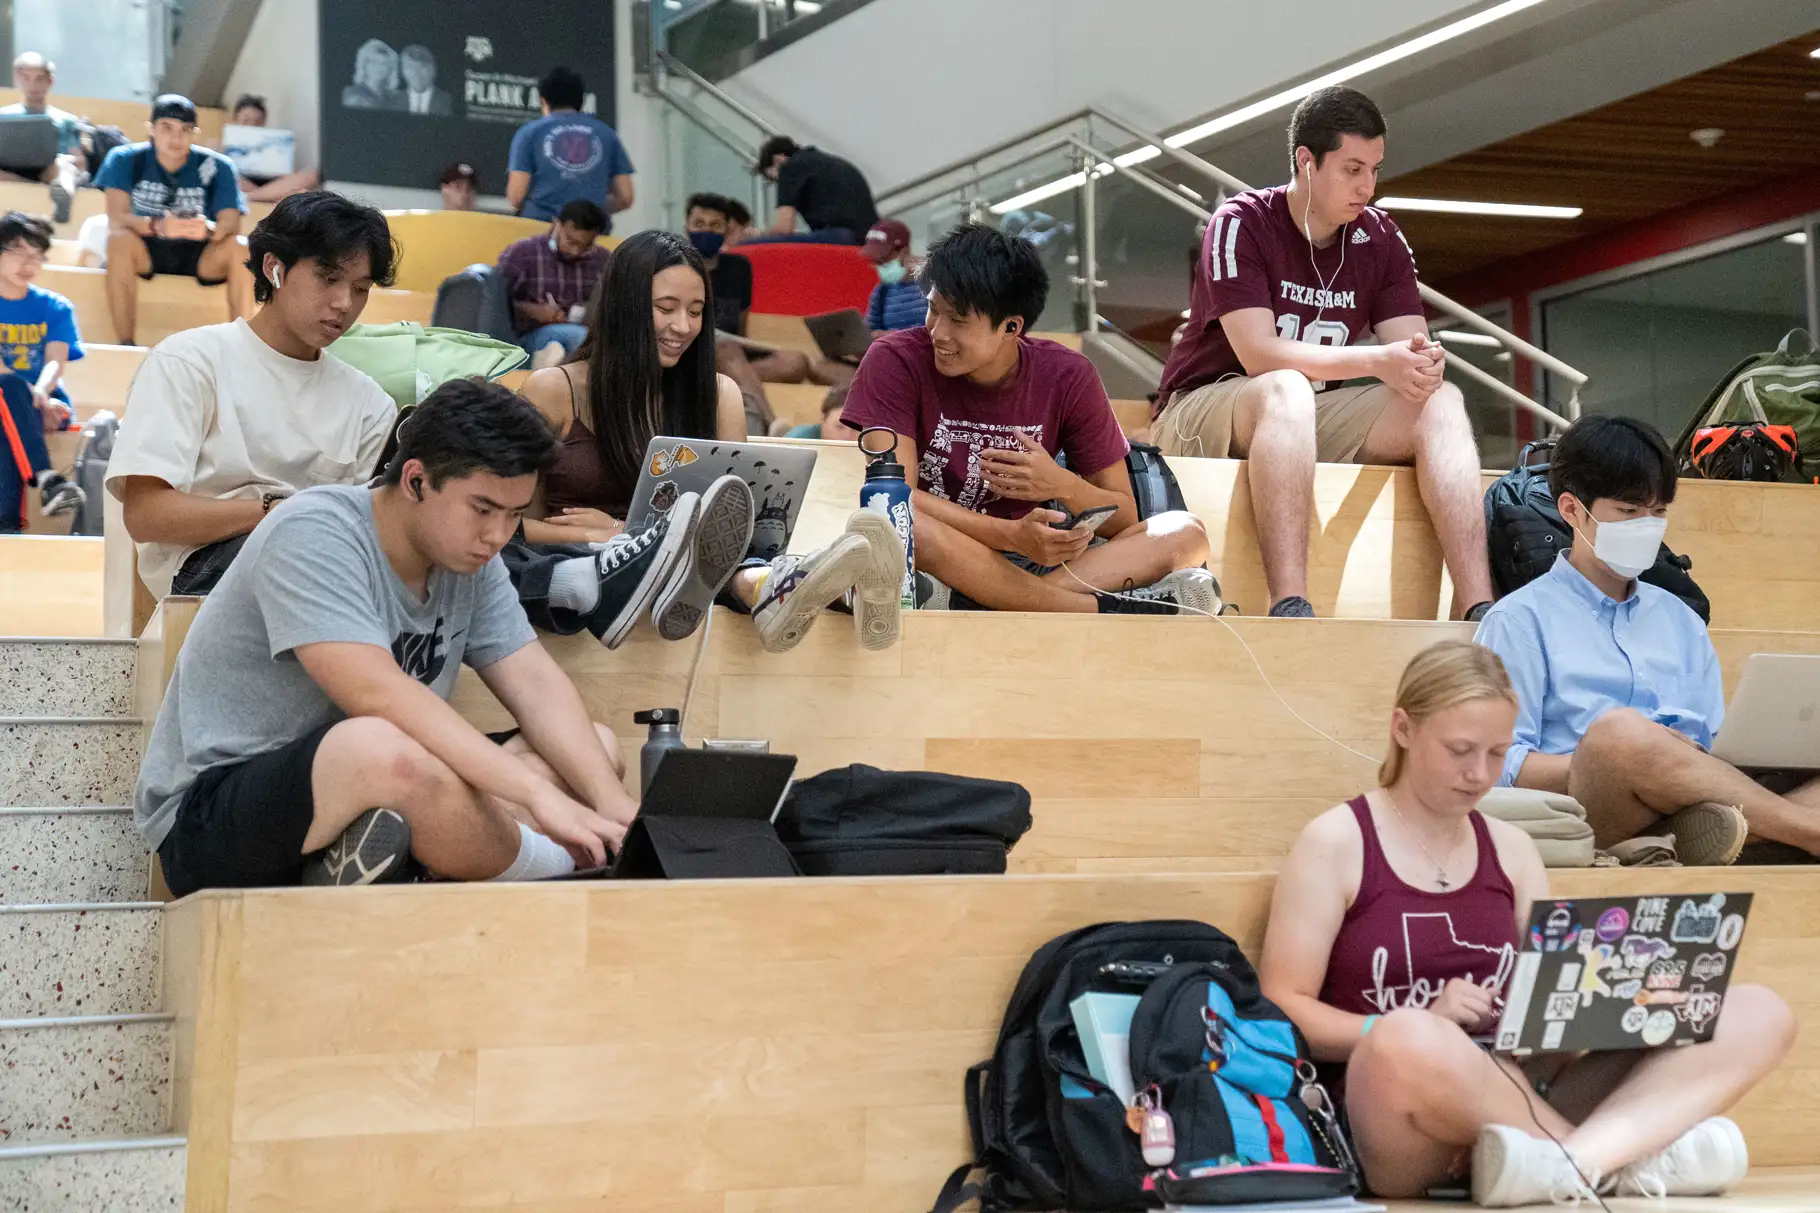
(305, 733)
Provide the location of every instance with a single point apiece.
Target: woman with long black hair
(641, 372)
(647, 368)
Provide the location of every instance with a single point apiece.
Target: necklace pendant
(1443, 881)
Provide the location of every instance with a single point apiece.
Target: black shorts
(179, 257)
(242, 825)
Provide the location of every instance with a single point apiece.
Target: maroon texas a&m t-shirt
(1255, 255)
(1054, 395)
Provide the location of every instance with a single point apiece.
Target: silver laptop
(1774, 717)
(779, 476)
(260, 151)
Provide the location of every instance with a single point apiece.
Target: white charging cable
(1306, 723)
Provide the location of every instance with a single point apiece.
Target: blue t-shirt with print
(27, 325)
(205, 185)
(569, 155)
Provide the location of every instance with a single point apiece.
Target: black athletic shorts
(242, 825)
(179, 257)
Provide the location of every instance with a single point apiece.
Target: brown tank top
(579, 480)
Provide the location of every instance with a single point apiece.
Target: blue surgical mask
(707, 243)
(892, 272)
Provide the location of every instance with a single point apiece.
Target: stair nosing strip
(65, 907)
(63, 810)
(6, 720)
(116, 641)
(107, 1145)
(86, 1021)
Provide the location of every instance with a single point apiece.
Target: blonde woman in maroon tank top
(1393, 929)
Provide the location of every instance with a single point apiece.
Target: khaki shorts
(1199, 422)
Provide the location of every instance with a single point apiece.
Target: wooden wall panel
(712, 1046)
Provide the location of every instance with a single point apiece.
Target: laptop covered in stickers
(779, 476)
(1622, 973)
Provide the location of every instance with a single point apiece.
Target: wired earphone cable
(1258, 665)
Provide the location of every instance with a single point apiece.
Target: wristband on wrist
(1369, 1020)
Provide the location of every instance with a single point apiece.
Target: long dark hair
(631, 396)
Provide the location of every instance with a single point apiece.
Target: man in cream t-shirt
(223, 422)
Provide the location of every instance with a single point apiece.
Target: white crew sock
(575, 585)
(538, 858)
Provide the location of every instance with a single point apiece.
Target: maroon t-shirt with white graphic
(1054, 395)
(1255, 255)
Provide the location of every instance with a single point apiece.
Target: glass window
(1655, 345)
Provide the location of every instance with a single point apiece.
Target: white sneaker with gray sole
(878, 595)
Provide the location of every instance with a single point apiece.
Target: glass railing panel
(1006, 200)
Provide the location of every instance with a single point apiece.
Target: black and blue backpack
(1205, 1044)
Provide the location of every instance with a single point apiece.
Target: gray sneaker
(1293, 607)
(60, 203)
(58, 494)
(376, 849)
(722, 534)
(1706, 835)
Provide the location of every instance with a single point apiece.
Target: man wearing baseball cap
(172, 208)
(460, 184)
(897, 301)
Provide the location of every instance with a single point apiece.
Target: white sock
(538, 858)
(575, 585)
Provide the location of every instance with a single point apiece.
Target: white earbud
(276, 274)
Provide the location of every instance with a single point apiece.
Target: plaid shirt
(533, 270)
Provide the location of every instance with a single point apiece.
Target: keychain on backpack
(1154, 1126)
(1326, 1123)
(1215, 1038)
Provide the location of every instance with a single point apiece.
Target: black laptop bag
(861, 821)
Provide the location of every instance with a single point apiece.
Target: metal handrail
(672, 63)
(1162, 188)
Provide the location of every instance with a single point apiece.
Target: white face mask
(1629, 547)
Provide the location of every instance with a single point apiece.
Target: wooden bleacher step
(416, 1047)
(1147, 744)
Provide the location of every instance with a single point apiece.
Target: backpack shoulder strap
(957, 1191)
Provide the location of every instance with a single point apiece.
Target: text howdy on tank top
(1399, 946)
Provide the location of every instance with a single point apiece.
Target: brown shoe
(1707, 834)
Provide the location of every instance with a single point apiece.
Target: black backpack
(1048, 1135)
(1153, 485)
(1524, 532)
(861, 821)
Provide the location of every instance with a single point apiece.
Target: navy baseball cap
(174, 105)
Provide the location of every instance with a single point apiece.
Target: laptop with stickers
(1622, 973)
(778, 474)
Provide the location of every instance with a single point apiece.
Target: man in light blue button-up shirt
(1617, 682)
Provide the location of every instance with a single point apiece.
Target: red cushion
(808, 279)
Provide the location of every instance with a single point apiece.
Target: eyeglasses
(27, 254)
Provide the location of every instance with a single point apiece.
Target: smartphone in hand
(1092, 518)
